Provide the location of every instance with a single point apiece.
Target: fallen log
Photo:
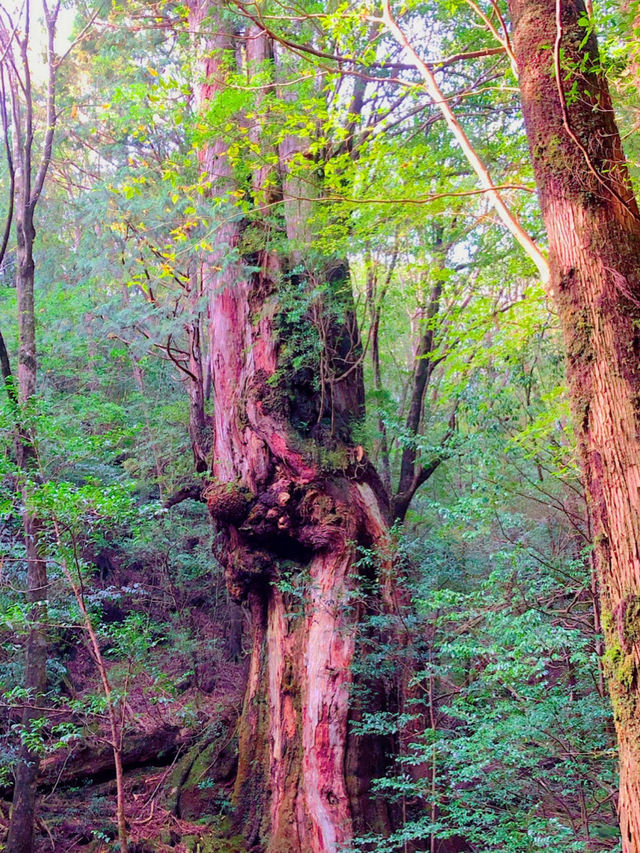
(94, 762)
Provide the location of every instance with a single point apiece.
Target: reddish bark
(594, 249)
(292, 504)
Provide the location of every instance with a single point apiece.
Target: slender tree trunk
(114, 714)
(412, 471)
(199, 426)
(20, 839)
(27, 190)
(594, 245)
(27, 184)
(293, 499)
(374, 302)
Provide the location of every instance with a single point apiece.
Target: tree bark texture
(593, 225)
(292, 496)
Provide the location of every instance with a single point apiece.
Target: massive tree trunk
(292, 496)
(594, 244)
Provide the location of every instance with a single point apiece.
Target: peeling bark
(292, 496)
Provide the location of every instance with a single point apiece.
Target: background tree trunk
(594, 245)
(199, 426)
(20, 839)
(27, 183)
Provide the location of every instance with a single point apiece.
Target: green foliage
(508, 705)
(493, 552)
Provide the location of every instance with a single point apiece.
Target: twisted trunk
(292, 496)
(594, 245)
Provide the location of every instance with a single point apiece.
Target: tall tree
(28, 173)
(292, 493)
(593, 225)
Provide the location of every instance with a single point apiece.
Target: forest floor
(179, 708)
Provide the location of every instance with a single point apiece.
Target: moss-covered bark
(593, 225)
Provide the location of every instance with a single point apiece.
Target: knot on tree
(228, 503)
(293, 521)
(246, 568)
(288, 521)
(326, 518)
(271, 514)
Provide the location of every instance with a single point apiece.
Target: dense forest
(319, 426)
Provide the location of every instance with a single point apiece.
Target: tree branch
(508, 219)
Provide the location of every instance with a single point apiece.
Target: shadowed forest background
(303, 547)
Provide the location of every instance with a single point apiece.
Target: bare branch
(508, 218)
(51, 19)
(12, 175)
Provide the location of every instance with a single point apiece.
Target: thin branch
(11, 37)
(177, 363)
(508, 219)
(504, 41)
(10, 168)
(80, 37)
(51, 21)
